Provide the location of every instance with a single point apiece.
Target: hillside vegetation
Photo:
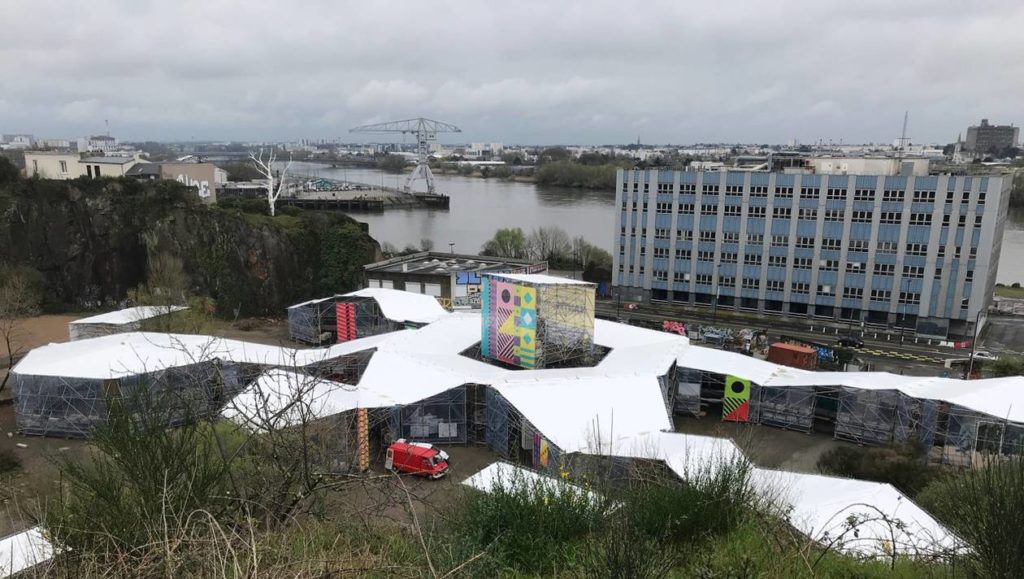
(92, 239)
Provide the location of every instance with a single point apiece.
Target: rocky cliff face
(92, 239)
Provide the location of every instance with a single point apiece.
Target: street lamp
(974, 342)
(451, 247)
(718, 293)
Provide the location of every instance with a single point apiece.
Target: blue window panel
(776, 274)
(806, 228)
(784, 180)
(825, 300)
(828, 277)
(647, 176)
(833, 229)
(926, 182)
(838, 181)
(914, 260)
(713, 178)
(860, 231)
(681, 286)
(759, 178)
(666, 177)
(640, 281)
(662, 243)
(785, 202)
(802, 275)
(748, 293)
(863, 206)
(799, 298)
(808, 202)
(780, 226)
(772, 295)
(835, 204)
(918, 234)
(708, 222)
(659, 284)
(660, 263)
(687, 197)
(663, 198)
(888, 232)
(892, 206)
(752, 271)
(803, 252)
(881, 282)
(831, 254)
(878, 306)
(688, 177)
(682, 265)
(731, 224)
(851, 303)
(705, 246)
(758, 201)
(968, 183)
(684, 222)
(854, 280)
(895, 182)
(885, 258)
(865, 182)
(734, 178)
(735, 248)
(705, 267)
(959, 239)
(727, 269)
(943, 235)
(922, 207)
(810, 181)
(983, 186)
(778, 250)
(756, 226)
(975, 237)
(947, 209)
(663, 221)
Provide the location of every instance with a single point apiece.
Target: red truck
(417, 458)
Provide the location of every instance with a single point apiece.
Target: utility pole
(974, 346)
(718, 294)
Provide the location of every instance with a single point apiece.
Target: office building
(991, 139)
(914, 251)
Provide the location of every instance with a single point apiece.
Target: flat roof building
(454, 279)
(912, 251)
(993, 139)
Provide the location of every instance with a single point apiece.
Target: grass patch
(1006, 291)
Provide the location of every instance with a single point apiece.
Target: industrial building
(991, 139)
(912, 251)
(454, 279)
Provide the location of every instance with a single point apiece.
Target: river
(479, 207)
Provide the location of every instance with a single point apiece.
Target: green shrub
(532, 526)
(245, 205)
(903, 466)
(983, 507)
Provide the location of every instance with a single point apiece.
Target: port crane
(426, 131)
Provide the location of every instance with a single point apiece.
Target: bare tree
(18, 300)
(551, 244)
(267, 169)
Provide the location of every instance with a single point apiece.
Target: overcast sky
(584, 71)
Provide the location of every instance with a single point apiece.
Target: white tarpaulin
(23, 551)
(400, 306)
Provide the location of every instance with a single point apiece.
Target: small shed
(119, 322)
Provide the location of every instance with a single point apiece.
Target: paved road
(885, 351)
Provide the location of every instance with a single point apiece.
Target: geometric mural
(736, 402)
(509, 323)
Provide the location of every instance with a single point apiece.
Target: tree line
(551, 244)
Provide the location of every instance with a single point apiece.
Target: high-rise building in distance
(912, 251)
(994, 139)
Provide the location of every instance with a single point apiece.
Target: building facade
(916, 252)
(456, 280)
(986, 138)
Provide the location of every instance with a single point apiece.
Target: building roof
(141, 169)
(434, 263)
(129, 315)
(402, 306)
(110, 160)
(22, 551)
(541, 279)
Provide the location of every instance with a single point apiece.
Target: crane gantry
(426, 130)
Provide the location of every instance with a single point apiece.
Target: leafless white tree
(266, 167)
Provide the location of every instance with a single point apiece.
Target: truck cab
(418, 458)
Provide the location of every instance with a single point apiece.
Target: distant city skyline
(530, 72)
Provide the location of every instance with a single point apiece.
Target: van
(418, 458)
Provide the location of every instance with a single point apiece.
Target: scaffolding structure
(442, 418)
(950, 434)
(75, 407)
(313, 322)
(536, 321)
(363, 317)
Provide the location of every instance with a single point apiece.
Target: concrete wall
(202, 176)
(47, 165)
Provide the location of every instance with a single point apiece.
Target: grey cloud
(529, 71)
